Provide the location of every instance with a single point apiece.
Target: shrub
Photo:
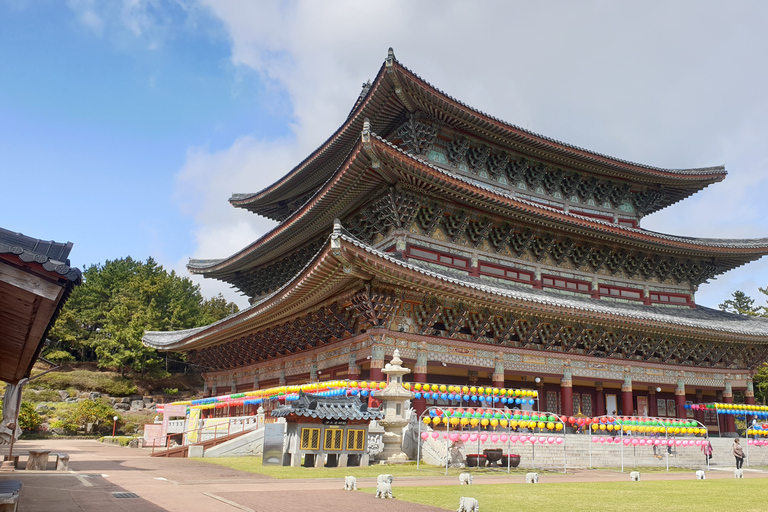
(104, 382)
(170, 391)
(59, 356)
(97, 412)
(29, 419)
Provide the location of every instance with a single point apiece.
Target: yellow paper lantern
(480, 391)
(550, 425)
(436, 420)
(558, 426)
(602, 426)
(513, 424)
(540, 424)
(425, 387)
(474, 422)
(503, 423)
(426, 420)
(473, 390)
(594, 426)
(535, 394)
(465, 389)
(454, 421)
(443, 388)
(609, 428)
(494, 423)
(464, 422)
(417, 386)
(445, 420)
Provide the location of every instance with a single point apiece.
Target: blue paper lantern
(417, 396)
(465, 398)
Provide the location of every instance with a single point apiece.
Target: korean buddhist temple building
(486, 254)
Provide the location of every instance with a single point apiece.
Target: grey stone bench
(9, 495)
(62, 461)
(38, 460)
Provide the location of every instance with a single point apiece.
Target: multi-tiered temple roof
(488, 233)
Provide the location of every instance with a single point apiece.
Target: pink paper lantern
(494, 438)
(678, 442)
(473, 437)
(514, 439)
(559, 440)
(595, 439)
(616, 440)
(504, 438)
(445, 436)
(602, 439)
(454, 437)
(626, 442)
(550, 439)
(699, 442)
(435, 435)
(425, 435)
(685, 442)
(657, 442)
(641, 442)
(483, 437)
(635, 442)
(751, 442)
(464, 437)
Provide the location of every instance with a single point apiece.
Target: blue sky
(126, 125)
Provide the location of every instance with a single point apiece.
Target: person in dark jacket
(738, 453)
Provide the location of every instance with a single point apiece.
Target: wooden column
(420, 376)
(698, 415)
(730, 423)
(653, 408)
(627, 399)
(749, 397)
(566, 391)
(599, 399)
(377, 364)
(498, 371)
(680, 398)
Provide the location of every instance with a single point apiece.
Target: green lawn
(695, 495)
(253, 465)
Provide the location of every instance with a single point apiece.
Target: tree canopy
(105, 318)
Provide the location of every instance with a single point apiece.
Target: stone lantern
(394, 397)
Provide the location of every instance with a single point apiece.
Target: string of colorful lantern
(758, 411)
(644, 426)
(493, 437)
(460, 418)
(479, 394)
(489, 395)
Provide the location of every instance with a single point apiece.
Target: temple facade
(487, 255)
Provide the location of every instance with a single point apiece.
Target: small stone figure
(468, 505)
(465, 478)
(350, 483)
(384, 490)
(737, 473)
(532, 478)
(634, 476)
(385, 478)
(700, 475)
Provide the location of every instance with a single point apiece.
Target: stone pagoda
(394, 398)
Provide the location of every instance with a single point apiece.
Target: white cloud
(85, 11)
(671, 85)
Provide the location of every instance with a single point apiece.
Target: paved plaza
(160, 484)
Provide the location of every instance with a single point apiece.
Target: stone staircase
(578, 451)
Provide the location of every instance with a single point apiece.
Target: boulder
(147, 400)
(93, 395)
(137, 405)
(122, 407)
(41, 408)
(63, 394)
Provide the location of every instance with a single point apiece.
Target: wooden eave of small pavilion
(35, 281)
(375, 163)
(397, 92)
(346, 264)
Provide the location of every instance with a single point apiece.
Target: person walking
(738, 453)
(706, 448)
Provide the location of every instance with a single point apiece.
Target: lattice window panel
(586, 405)
(553, 404)
(577, 403)
(355, 440)
(333, 439)
(310, 438)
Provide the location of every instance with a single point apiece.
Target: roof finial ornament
(366, 130)
(390, 58)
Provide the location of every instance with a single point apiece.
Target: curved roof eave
(221, 267)
(699, 318)
(543, 142)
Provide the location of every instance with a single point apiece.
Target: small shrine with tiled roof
(485, 254)
(327, 429)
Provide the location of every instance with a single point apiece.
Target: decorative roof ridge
(680, 172)
(52, 256)
(711, 242)
(583, 303)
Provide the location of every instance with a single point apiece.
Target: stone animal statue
(532, 478)
(465, 478)
(634, 476)
(700, 475)
(468, 505)
(350, 483)
(384, 490)
(737, 473)
(387, 479)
